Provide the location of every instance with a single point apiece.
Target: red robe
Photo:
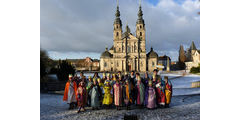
(65, 96)
(81, 96)
(160, 95)
(117, 94)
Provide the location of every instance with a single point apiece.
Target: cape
(65, 96)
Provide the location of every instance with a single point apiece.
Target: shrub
(181, 65)
(64, 69)
(195, 69)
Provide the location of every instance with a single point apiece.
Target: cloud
(83, 26)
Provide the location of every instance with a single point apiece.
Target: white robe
(71, 94)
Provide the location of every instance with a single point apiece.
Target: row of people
(118, 90)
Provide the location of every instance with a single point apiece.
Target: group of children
(119, 90)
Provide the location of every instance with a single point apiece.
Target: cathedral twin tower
(128, 51)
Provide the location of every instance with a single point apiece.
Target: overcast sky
(81, 28)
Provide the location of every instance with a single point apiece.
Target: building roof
(95, 60)
(164, 57)
(106, 54)
(152, 54)
(193, 47)
(111, 48)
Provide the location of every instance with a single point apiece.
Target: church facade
(128, 52)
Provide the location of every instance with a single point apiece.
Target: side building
(192, 57)
(87, 64)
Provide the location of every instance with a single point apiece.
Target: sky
(77, 29)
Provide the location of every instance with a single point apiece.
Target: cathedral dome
(106, 54)
(152, 54)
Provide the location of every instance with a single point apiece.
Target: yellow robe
(107, 100)
(168, 96)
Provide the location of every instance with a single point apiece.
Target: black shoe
(167, 106)
(70, 106)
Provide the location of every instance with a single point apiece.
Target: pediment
(130, 37)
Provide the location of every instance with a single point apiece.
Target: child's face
(139, 81)
(81, 83)
(150, 85)
(166, 80)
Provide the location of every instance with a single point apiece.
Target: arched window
(128, 49)
(117, 34)
(140, 33)
(140, 26)
(105, 64)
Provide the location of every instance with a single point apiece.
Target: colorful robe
(117, 94)
(150, 98)
(133, 90)
(140, 93)
(89, 87)
(107, 100)
(81, 96)
(127, 94)
(160, 89)
(70, 92)
(95, 95)
(145, 81)
(168, 92)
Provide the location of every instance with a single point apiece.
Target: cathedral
(128, 52)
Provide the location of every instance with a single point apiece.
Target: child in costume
(140, 92)
(150, 96)
(160, 90)
(117, 88)
(89, 87)
(104, 77)
(100, 84)
(70, 92)
(83, 78)
(113, 81)
(81, 96)
(155, 77)
(119, 76)
(95, 94)
(107, 100)
(145, 79)
(127, 97)
(168, 91)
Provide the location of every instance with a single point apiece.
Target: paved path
(185, 107)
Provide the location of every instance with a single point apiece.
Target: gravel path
(185, 107)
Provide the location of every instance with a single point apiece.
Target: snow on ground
(182, 107)
(185, 105)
